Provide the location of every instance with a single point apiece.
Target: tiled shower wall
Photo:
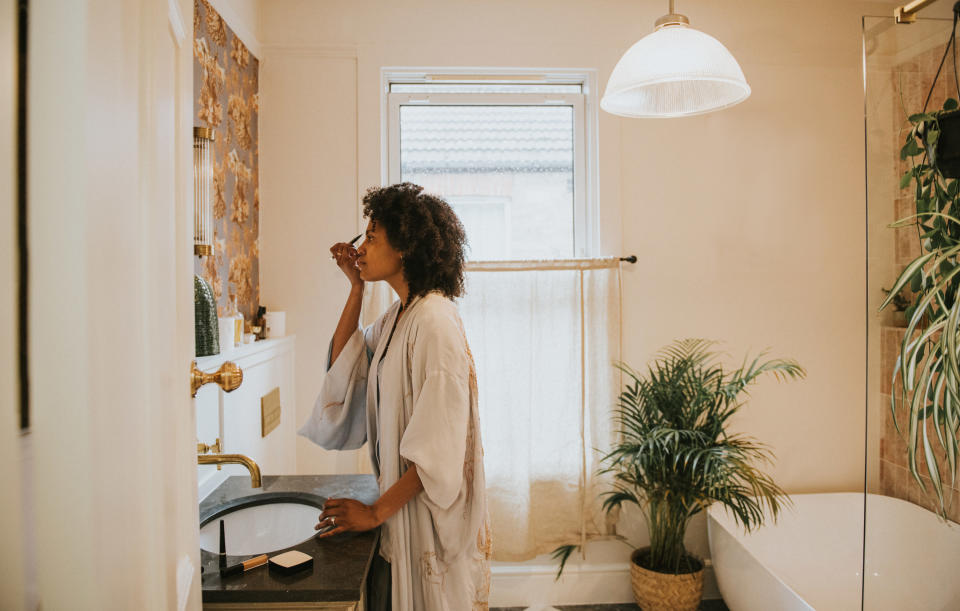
(911, 83)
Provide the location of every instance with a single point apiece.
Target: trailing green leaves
(928, 366)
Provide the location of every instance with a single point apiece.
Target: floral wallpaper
(226, 98)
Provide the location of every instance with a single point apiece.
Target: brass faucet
(234, 459)
(213, 448)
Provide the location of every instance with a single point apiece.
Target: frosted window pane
(506, 170)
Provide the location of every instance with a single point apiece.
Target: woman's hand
(346, 515)
(346, 256)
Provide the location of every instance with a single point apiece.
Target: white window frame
(585, 115)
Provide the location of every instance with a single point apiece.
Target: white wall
(111, 307)
(11, 519)
(243, 17)
(235, 417)
(749, 226)
(310, 157)
(749, 223)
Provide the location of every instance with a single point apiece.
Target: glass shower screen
(911, 545)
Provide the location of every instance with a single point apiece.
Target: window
(511, 154)
(510, 157)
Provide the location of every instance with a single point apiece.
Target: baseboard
(522, 584)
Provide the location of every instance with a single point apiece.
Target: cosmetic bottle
(258, 324)
(237, 324)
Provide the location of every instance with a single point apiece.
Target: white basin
(260, 529)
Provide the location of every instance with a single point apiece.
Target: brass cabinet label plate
(269, 411)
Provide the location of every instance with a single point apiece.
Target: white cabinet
(235, 417)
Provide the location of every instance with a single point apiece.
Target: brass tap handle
(213, 448)
(229, 377)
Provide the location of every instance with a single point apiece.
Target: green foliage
(928, 366)
(675, 457)
(563, 554)
(900, 302)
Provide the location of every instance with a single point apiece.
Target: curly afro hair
(426, 231)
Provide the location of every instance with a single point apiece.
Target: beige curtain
(545, 335)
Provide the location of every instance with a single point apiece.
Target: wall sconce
(202, 178)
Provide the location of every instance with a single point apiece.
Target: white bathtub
(812, 557)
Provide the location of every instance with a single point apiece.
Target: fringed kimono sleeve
(435, 437)
(339, 417)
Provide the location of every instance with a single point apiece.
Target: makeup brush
(246, 565)
(351, 243)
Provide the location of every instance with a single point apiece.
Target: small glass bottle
(237, 324)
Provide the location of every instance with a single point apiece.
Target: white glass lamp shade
(674, 72)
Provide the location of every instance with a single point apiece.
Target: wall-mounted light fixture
(202, 179)
(675, 71)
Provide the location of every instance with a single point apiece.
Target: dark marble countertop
(340, 563)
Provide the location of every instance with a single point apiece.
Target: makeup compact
(291, 562)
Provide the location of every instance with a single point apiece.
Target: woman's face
(378, 260)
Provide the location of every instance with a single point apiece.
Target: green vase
(205, 318)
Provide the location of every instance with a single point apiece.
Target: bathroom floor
(706, 605)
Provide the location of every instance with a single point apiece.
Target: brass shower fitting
(908, 12)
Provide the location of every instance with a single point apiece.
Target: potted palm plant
(675, 458)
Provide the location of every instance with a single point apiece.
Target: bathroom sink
(260, 528)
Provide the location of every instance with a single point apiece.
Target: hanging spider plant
(675, 457)
(928, 366)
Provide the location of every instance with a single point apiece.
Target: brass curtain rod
(908, 12)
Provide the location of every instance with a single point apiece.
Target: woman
(406, 385)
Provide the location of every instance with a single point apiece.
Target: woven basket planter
(665, 591)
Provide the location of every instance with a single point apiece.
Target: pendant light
(676, 71)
